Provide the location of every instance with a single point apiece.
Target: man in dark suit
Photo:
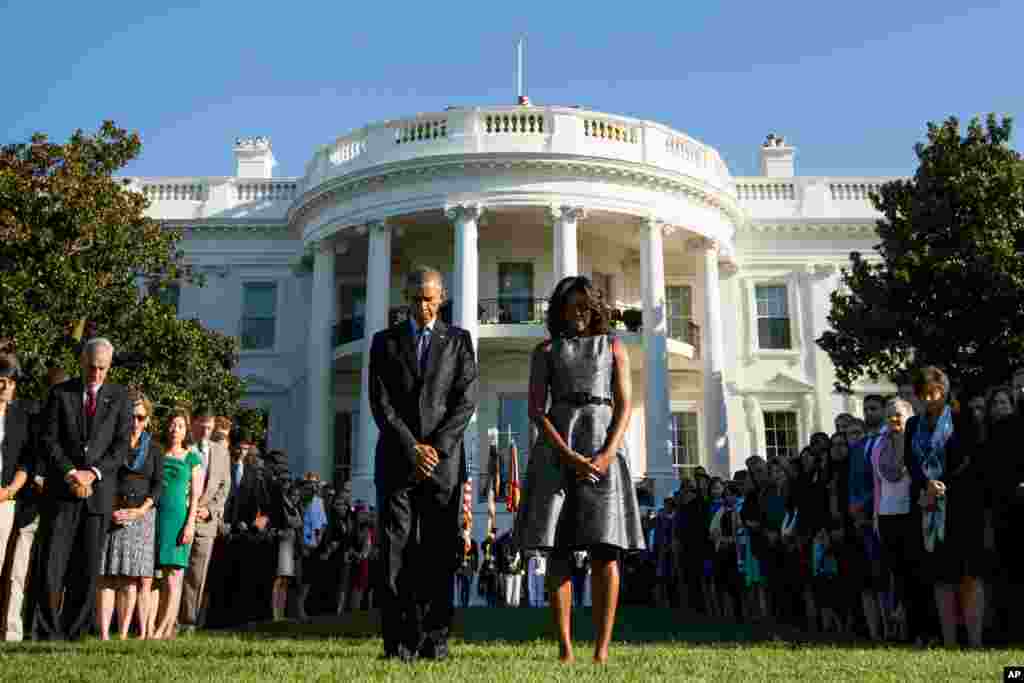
(423, 384)
(86, 428)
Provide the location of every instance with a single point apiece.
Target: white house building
(729, 276)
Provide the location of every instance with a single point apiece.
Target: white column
(820, 284)
(755, 425)
(655, 330)
(466, 303)
(713, 348)
(319, 456)
(378, 302)
(566, 250)
(466, 286)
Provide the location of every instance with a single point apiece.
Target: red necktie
(90, 403)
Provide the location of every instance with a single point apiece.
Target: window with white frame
(773, 324)
(680, 312)
(685, 443)
(259, 315)
(781, 434)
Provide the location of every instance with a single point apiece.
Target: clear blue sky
(850, 84)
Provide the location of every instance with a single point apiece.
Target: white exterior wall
(796, 231)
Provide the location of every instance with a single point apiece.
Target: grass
(263, 657)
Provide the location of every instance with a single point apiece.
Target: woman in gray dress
(579, 493)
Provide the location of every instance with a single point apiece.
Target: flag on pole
(493, 480)
(467, 513)
(512, 500)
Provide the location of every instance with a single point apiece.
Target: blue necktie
(421, 349)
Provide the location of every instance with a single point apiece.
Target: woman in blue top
(938, 442)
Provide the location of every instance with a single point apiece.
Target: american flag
(467, 513)
(512, 500)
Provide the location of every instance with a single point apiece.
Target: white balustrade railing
(766, 190)
(171, 191)
(512, 122)
(515, 129)
(265, 190)
(613, 131)
(853, 191)
(421, 130)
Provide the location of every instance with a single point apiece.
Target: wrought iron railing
(513, 310)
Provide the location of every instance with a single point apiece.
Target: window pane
(685, 453)
(515, 292)
(257, 333)
(773, 333)
(780, 434)
(260, 300)
(771, 301)
(679, 311)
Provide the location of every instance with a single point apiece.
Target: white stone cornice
(340, 188)
(848, 227)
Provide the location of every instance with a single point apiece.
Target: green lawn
(261, 657)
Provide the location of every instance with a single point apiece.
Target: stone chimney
(777, 157)
(254, 158)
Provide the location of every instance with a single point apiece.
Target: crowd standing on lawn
(898, 527)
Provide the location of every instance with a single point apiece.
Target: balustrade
(610, 130)
(853, 191)
(766, 191)
(162, 192)
(420, 130)
(269, 190)
(513, 123)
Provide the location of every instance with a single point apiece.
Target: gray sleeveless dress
(557, 510)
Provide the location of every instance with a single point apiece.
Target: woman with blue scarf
(127, 563)
(939, 448)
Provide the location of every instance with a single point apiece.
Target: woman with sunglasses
(127, 563)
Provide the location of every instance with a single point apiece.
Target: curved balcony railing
(521, 311)
(513, 310)
(517, 130)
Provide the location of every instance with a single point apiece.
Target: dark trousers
(903, 554)
(464, 583)
(70, 563)
(419, 534)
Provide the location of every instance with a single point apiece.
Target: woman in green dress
(176, 522)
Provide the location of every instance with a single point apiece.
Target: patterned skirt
(130, 550)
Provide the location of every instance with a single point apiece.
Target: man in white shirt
(216, 477)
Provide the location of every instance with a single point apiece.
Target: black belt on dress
(582, 398)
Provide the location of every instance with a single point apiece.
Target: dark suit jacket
(432, 409)
(67, 446)
(18, 446)
(251, 497)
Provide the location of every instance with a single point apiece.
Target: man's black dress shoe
(434, 650)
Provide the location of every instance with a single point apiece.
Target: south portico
(463, 224)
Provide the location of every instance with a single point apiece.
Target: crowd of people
(204, 529)
(899, 526)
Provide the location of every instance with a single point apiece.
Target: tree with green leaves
(948, 288)
(74, 244)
